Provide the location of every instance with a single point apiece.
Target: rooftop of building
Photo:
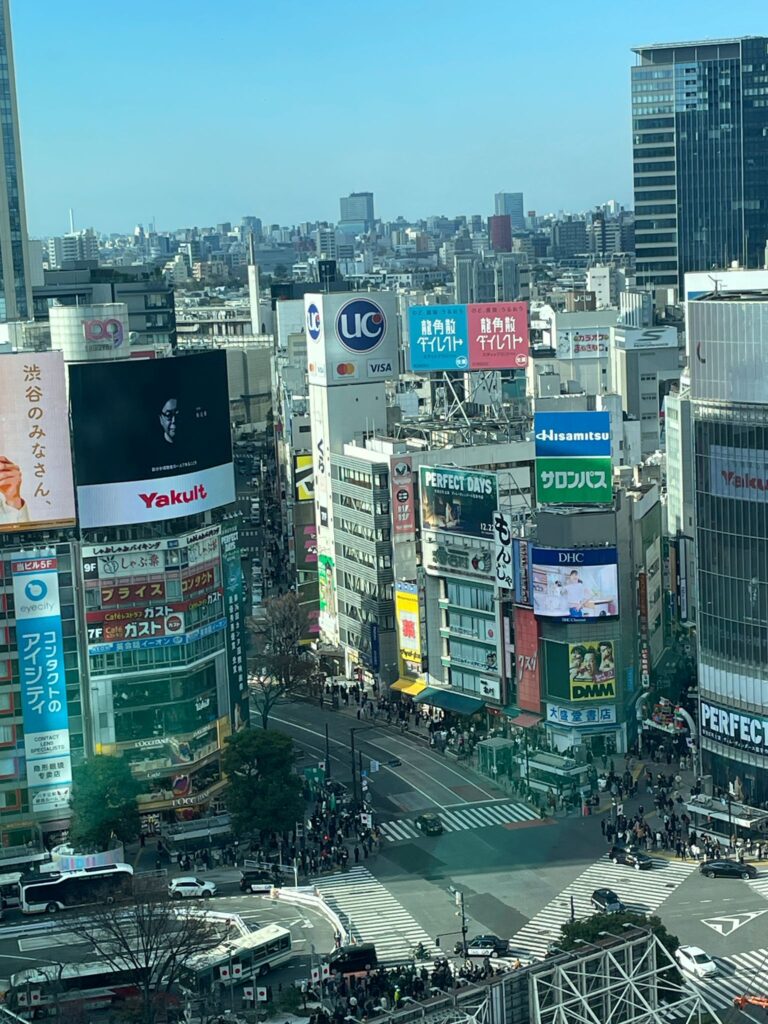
(745, 295)
(694, 43)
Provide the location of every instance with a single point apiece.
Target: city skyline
(183, 123)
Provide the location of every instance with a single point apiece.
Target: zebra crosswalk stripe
(460, 819)
(745, 973)
(373, 914)
(644, 891)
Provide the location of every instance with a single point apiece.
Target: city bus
(50, 893)
(38, 991)
(236, 960)
(9, 889)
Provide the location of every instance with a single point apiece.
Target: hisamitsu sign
(572, 434)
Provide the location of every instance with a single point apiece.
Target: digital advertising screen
(152, 438)
(575, 583)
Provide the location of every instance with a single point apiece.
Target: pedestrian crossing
(760, 884)
(372, 914)
(740, 974)
(461, 819)
(641, 891)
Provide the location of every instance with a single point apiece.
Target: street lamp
(459, 900)
(352, 731)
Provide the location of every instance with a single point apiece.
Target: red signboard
(403, 513)
(498, 335)
(133, 593)
(193, 584)
(527, 660)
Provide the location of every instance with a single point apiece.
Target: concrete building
(356, 213)
(700, 131)
(70, 248)
(15, 281)
(645, 367)
(500, 232)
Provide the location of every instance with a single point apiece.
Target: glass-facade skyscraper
(700, 151)
(15, 284)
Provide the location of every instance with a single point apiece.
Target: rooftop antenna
(71, 221)
(716, 282)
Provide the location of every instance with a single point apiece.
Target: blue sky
(195, 112)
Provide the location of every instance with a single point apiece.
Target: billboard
(522, 567)
(527, 660)
(408, 630)
(41, 672)
(498, 335)
(403, 503)
(734, 728)
(565, 716)
(303, 477)
(326, 578)
(592, 670)
(574, 481)
(583, 343)
(504, 551)
(567, 434)
(461, 501)
(438, 338)
(35, 463)
(232, 577)
(352, 337)
(152, 438)
(478, 336)
(575, 583)
(739, 473)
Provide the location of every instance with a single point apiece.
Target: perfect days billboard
(458, 501)
(477, 336)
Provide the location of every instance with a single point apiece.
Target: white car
(179, 888)
(696, 962)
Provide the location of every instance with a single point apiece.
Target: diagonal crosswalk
(760, 884)
(740, 973)
(373, 914)
(461, 819)
(643, 891)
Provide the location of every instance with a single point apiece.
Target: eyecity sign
(734, 728)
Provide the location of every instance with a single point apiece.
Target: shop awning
(525, 719)
(450, 700)
(411, 687)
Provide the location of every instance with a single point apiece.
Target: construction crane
(741, 1001)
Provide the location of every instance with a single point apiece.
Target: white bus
(40, 991)
(53, 892)
(236, 960)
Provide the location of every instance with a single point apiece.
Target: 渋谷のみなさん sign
(458, 501)
(41, 670)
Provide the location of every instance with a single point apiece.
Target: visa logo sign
(380, 367)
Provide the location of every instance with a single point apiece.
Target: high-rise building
(15, 286)
(511, 204)
(730, 450)
(699, 120)
(500, 232)
(71, 248)
(356, 212)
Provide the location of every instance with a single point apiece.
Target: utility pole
(458, 897)
(354, 765)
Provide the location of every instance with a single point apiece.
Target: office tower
(15, 297)
(729, 371)
(511, 204)
(356, 212)
(699, 120)
(500, 232)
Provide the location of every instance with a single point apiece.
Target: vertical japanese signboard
(42, 680)
(527, 660)
(403, 508)
(408, 630)
(504, 554)
(232, 576)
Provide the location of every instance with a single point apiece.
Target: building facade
(699, 119)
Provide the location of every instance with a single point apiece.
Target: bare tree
(283, 665)
(151, 941)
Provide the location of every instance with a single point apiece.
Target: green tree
(283, 666)
(103, 804)
(263, 793)
(588, 929)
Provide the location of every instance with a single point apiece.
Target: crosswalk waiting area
(372, 914)
(642, 891)
(461, 819)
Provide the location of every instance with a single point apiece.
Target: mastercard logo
(346, 369)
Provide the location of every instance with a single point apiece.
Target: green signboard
(574, 481)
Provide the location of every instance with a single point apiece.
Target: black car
(256, 880)
(727, 869)
(430, 824)
(486, 945)
(630, 856)
(607, 901)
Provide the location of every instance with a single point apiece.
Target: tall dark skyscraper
(700, 150)
(15, 285)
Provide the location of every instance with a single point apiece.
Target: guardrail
(308, 896)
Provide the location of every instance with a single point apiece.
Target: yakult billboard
(152, 439)
(351, 337)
